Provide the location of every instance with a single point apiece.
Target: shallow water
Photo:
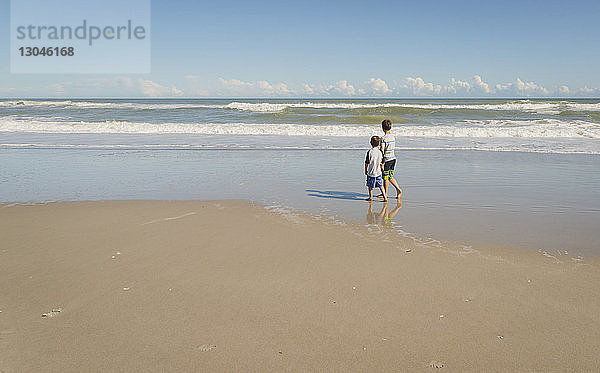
(529, 200)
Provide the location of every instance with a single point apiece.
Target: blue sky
(348, 48)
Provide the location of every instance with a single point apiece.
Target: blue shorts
(374, 182)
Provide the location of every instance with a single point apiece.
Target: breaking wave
(550, 107)
(544, 128)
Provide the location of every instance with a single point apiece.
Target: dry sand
(232, 286)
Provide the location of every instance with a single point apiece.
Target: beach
(233, 235)
(299, 187)
(232, 285)
(501, 172)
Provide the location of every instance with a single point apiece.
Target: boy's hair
(386, 125)
(375, 141)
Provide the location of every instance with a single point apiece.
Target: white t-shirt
(388, 143)
(373, 162)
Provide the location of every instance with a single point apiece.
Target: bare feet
(369, 199)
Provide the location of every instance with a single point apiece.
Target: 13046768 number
(47, 51)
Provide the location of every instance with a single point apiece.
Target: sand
(232, 286)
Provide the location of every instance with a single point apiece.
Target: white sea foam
(553, 107)
(537, 147)
(527, 106)
(546, 128)
(107, 105)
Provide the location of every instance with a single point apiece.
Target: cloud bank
(195, 86)
(97, 87)
(409, 87)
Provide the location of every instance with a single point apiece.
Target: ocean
(505, 172)
(546, 126)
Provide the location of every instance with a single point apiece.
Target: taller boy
(388, 143)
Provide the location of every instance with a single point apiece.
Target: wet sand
(525, 200)
(232, 286)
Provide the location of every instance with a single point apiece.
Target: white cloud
(261, 88)
(412, 86)
(587, 92)
(338, 89)
(307, 89)
(118, 86)
(563, 90)
(480, 85)
(98, 87)
(457, 87)
(378, 87)
(194, 86)
(341, 88)
(521, 88)
(418, 87)
(153, 89)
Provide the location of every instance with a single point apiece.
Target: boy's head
(386, 125)
(375, 141)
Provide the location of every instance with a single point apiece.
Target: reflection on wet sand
(385, 216)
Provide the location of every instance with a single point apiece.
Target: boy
(388, 143)
(373, 166)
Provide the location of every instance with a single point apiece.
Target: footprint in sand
(206, 347)
(436, 364)
(54, 312)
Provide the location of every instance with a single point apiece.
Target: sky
(347, 49)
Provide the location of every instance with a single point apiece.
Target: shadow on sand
(333, 194)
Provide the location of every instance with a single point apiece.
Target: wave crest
(485, 128)
(549, 107)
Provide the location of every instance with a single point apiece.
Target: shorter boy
(373, 167)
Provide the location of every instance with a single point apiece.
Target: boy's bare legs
(384, 193)
(386, 184)
(370, 195)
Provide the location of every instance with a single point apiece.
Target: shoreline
(429, 241)
(229, 285)
(530, 200)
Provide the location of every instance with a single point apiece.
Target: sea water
(504, 172)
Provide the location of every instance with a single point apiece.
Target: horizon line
(303, 98)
